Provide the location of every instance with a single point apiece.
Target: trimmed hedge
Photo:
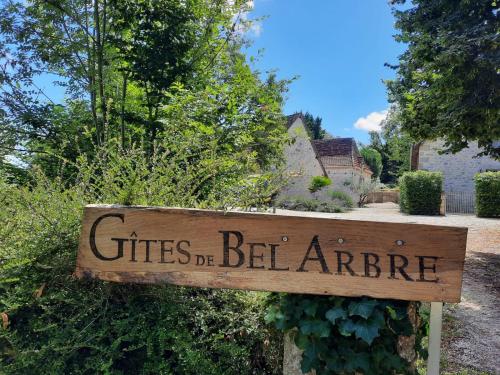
(420, 192)
(487, 194)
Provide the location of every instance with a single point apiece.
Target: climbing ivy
(348, 335)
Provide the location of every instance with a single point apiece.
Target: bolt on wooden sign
(271, 252)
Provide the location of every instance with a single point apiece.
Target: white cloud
(256, 28)
(245, 25)
(372, 122)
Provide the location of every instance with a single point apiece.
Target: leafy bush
(488, 194)
(56, 324)
(420, 192)
(373, 159)
(350, 335)
(304, 204)
(317, 182)
(342, 198)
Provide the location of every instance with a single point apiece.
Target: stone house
(336, 158)
(458, 171)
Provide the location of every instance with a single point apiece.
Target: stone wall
(458, 169)
(344, 179)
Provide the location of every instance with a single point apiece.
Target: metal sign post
(435, 338)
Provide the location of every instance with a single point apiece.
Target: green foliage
(305, 204)
(394, 146)
(347, 335)
(57, 324)
(314, 127)
(447, 79)
(342, 198)
(487, 194)
(317, 182)
(420, 192)
(373, 159)
(146, 62)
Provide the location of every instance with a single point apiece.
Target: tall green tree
(121, 64)
(447, 83)
(394, 146)
(314, 126)
(374, 160)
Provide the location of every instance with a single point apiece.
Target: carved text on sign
(271, 252)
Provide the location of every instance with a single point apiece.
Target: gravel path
(475, 342)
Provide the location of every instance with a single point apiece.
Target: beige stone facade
(458, 169)
(337, 159)
(301, 161)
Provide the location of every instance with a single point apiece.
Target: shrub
(420, 192)
(317, 182)
(488, 194)
(363, 188)
(342, 198)
(56, 324)
(304, 204)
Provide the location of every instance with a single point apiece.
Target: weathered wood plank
(272, 252)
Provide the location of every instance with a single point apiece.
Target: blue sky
(338, 48)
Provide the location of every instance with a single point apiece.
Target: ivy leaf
(334, 362)
(394, 362)
(347, 327)
(378, 318)
(366, 330)
(316, 327)
(306, 364)
(362, 308)
(311, 308)
(334, 313)
(301, 340)
(392, 312)
(363, 362)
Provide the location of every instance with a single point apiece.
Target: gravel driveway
(475, 321)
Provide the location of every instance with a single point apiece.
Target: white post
(435, 338)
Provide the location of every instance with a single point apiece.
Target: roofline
(318, 158)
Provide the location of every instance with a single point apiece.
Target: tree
(313, 126)
(373, 159)
(447, 80)
(394, 146)
(121, 65)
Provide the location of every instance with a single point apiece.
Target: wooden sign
(272, 252)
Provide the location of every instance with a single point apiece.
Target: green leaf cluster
(53, 323)
(318, 182)
(447, 79)
(373, 159)
(394, 145)
(314, 126)
(345, 335)
(130, 70)
(420, 192)
(487, 194)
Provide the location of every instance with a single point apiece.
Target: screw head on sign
(340, 240)
(284, 238)
(400, 242)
